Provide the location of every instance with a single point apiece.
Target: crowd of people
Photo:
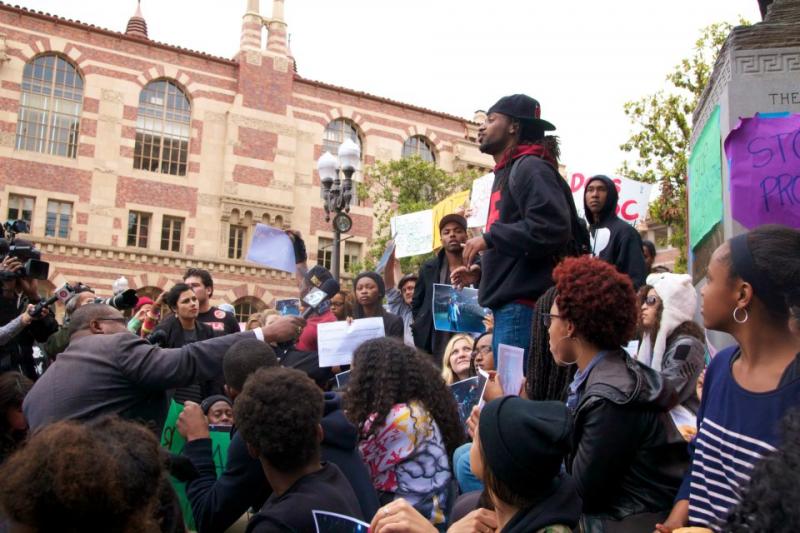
(627, 420)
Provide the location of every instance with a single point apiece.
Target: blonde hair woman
(457, 358)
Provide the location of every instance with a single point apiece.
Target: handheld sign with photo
(509, 368)
(467, 394)
(764, 156)
(326, 522)
(273, 248)
(337, 341)
(290, 306)
(457, 310)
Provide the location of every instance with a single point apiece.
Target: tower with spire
(137, 26)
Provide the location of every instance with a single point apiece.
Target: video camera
(33, 266)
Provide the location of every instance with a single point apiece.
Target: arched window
(419, 146)
(335, 134)
(246, 306)
(162, 129)
(50, 107)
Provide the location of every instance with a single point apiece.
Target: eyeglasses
(484, 350)
(651, 301)
(119, 319)
(547, 319)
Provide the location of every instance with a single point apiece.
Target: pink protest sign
(764, 157)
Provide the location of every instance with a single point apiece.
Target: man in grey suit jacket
(108, 370)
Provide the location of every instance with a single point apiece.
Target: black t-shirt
(324, 490)
(219, 320)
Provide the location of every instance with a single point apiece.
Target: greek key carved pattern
(760, 62)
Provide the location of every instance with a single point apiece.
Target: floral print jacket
(407, 457)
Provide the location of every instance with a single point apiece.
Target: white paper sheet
(479, 200)
(414, 234)
(337, 341)
(509, 368)
(272, 247)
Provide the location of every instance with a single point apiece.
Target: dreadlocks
(546, 380)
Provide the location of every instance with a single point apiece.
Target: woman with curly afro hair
(408, 424)
(627, 457)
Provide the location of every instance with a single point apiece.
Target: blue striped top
(735, 429)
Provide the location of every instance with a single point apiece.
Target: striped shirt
(735, 429)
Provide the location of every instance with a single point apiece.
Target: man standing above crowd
(203, 286)
(613, 240)
(531, 214)
(453, 232)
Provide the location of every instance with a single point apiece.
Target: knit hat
(678, 305)
(524, 442)
(211, 400)
(374, 277)
(143, 300)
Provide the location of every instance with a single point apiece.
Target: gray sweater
(121, 374)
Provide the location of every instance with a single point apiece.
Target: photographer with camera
(18, 292)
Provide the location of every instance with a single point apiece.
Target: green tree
(404, 186)
(662, 130)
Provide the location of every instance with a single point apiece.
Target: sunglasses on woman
(651, 301)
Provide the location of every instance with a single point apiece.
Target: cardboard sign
(174, 442)
(413, 233)
(447, 206)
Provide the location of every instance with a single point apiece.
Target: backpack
(579, 244)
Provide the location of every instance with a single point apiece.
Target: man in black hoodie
(613, 240)
(218, 502)
(529, 225)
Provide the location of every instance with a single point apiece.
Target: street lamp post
(337, 193)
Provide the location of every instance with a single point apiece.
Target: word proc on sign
(764, 153)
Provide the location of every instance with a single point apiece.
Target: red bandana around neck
(527, 149)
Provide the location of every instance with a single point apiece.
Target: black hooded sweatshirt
(218, 502)
(614, 240)
(528, 229)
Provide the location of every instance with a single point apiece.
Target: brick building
(135, 158)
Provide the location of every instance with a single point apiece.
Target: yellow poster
(446, 207)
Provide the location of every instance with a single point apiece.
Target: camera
(125, 300)
(33, 266)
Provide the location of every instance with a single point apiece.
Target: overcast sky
(582, 59)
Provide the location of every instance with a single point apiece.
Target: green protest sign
(705, 181)
(174, 442)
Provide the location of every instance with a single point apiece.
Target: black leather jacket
(628, 458)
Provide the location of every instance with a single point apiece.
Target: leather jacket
(628, 457)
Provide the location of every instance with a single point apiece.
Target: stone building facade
(136, 158)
